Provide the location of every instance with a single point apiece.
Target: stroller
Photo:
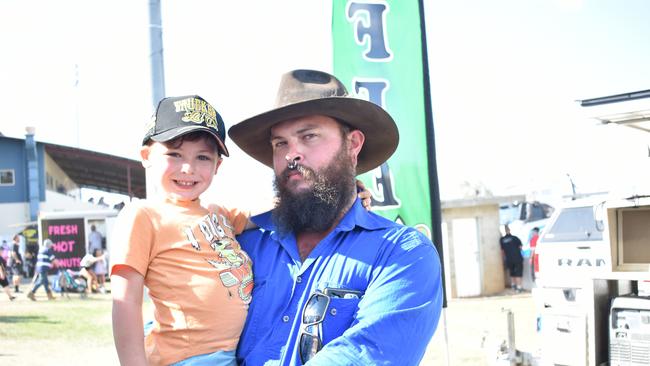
(68, 281)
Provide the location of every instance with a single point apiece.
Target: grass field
(78, 332)
(65, 331)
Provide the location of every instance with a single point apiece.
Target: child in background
(87, 271)
(100, 269)
(199, 279)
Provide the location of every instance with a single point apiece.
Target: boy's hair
(192, 136)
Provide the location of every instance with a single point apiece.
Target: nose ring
(292, 164)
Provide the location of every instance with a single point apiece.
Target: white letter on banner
(369, 19)
(374, 90)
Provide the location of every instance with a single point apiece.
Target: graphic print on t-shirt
(234, 265)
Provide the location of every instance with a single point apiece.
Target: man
(514, 261)
(16, 261)
(45, 261)
(95, 239)
(334, 284)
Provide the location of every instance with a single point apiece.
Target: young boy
(199, 279)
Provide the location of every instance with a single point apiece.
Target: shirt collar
(356, 216)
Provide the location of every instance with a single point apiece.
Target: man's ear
(144, 155)
(355, 143)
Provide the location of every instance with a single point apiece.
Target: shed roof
(90, 169)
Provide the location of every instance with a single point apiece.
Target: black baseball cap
(177, 116)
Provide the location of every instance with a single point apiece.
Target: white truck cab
(574, 245)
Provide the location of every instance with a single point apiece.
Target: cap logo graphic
(197, 111)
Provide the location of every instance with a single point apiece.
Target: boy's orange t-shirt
(199, 279)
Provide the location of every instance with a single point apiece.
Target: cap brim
(382, 137)
(180, 131)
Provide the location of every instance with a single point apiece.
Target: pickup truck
(588, 252)
(574, 245)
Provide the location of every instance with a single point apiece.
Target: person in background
(534, 261)
(87, 271)
(30, 263)
(335, 284)
(100, 270)
(514, 261)
(16, 263)
(45, 261)
(4, 251)
(4, 279)
(95, 239)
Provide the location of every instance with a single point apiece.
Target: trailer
(69, 231)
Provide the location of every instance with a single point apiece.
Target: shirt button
(285, 318)
(333, 311)
(299, 279)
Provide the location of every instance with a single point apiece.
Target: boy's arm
(127, 286)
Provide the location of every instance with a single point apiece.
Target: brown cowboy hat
(309, 92)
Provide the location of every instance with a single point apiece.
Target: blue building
(36, 176)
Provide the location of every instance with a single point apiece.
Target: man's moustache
(301, 169)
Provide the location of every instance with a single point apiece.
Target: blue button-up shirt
(396, 269)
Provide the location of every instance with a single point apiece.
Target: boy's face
(184, 172)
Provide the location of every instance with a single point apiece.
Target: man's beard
(317, 208)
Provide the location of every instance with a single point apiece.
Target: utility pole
(156, 45)
(157, 69)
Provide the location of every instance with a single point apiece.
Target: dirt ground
(469, 333)
(475, 328)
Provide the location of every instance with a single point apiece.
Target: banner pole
(434, 191)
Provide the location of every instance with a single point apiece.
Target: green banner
(378, 55)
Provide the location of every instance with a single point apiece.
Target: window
(7, 177)
(574, 224)
(633, 237)
(49, 181)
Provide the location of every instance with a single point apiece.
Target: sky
(505, 78)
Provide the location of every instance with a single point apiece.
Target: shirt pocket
(338, 318)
